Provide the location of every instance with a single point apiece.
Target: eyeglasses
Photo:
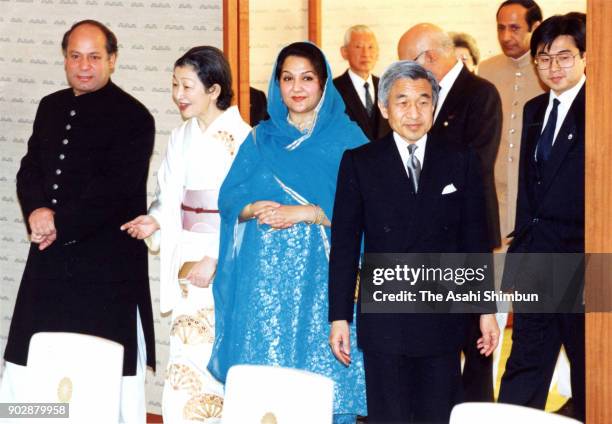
(421, 57)
(564, 60)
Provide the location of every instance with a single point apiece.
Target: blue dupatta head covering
(277, 159)
(307, 162)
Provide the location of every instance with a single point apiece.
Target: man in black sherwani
(83, 175)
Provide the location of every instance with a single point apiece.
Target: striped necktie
(414, 167)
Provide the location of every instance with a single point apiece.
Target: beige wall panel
(273, 24)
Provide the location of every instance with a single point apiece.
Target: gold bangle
(321, 216)
(248, 211)
(314, 214)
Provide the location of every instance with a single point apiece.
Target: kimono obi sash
(200, 211)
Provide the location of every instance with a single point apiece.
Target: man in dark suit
(84, 174)
(357, 86)
(402, 194)
(469, 112)
(550, 216)
(258, 107)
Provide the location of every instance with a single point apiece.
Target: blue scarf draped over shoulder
(305, 163)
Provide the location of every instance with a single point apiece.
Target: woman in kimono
(183, 223)
(276, 206)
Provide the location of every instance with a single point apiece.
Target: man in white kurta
(514, 75)
(516, 80)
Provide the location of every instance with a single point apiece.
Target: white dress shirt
(565, 102)
(358, 83)
(402, 147)
(446, 84)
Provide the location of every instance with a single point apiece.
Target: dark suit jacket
(549, 219)
(472, 116)
(550, 204)
(258, 107)
(375, 127)
(550, 212)
(375, 199)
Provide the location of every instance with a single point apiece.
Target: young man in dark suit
(550, 215)
(357, 86)
(258, 107)
(406, 193)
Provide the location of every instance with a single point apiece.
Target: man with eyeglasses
(469, 108)
(468, 112)
(550, 216)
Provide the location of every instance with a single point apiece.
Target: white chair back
(503, 413)
(83, 371)
(257, 394)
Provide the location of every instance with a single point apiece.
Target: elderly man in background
(469, 108)
(357, 86)
(83, 175)
(469, 113)
(514, 75)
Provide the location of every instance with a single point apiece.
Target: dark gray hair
(408, 69)
(462, 39)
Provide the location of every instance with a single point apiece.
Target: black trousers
(477, 375)
(536, 342)
(403, 389)
(103, 309)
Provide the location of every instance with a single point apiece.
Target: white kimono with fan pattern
(196, 161)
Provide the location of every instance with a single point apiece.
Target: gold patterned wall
(273, 24)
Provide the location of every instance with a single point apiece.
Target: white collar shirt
(446, 84)
(358, 83)
(402, 147)
(565, 102)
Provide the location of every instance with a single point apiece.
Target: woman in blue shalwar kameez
(276, 206)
